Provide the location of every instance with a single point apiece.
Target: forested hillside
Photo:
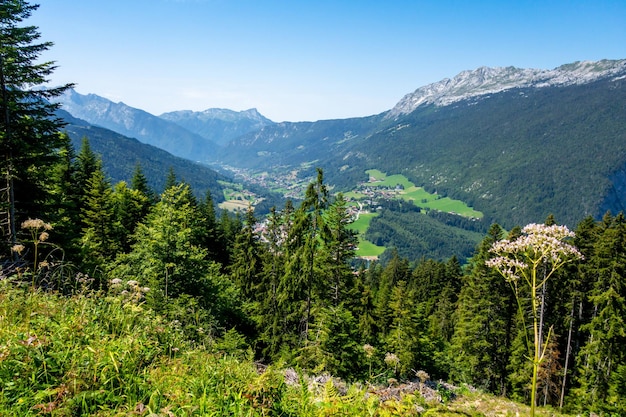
(516, 155)
(121, 155)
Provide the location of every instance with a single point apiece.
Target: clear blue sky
(309, 60)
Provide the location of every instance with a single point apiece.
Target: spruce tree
(29, 137)
(604, 353)
(99, 243)
(484, 319)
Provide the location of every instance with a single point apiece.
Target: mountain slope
(121, 154)
(138, 124)
(485, 80)
(218, 125)
(517, 155)
(515, 144)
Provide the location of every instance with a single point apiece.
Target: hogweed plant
(529, 261)
(38, 231)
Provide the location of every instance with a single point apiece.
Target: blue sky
(309, 60)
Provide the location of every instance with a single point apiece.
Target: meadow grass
(365, 248)
(420, 197)
(106, 354)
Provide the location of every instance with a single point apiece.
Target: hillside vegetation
(107, 354)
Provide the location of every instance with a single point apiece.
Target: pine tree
(604, 351)
(29, 137)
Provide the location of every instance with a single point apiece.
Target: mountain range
(515, 144)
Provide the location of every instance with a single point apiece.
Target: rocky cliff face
(485, 80)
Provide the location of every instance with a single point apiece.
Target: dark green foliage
(480, 346)
(417, 236)
(120, 156)
(603, 354)
(29, 137)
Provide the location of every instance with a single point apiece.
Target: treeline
(287, 290)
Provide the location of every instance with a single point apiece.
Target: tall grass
(105, 354)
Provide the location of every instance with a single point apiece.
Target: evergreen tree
(270, 309)
(247, 258)
(396, 270)
(130, 207)
(484, 319)
(99, 243)
(29, 137)
(139, 182)
(604, 352)
(339, 246)
(64, 202)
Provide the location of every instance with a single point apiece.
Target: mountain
(121, 154)
(218, 125)
(139, 124)
(485, 80)
(516, 144)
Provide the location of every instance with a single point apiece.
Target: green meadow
(366, 248)
(420, 197)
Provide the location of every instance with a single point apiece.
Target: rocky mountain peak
(488, 80)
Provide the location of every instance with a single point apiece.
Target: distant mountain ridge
(486, 80)
(120, 156)
(138, 124)
(219, 125)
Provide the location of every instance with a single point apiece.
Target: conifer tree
(139, 182)
(130, 207)
(604, 352)
(247, 258)
(65, 202)
(484, 318)
(99, 244)
(339, 246)
(29, 135)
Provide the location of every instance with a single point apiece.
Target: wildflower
(19, 248)
(422, 376)
(540, 248)
(145, 290)
(369, 350)
(391, 359)
(116, 282)
(36, 224)
(132, 283)
(43, 236)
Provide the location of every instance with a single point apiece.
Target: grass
(366, 248)
(105, 354)
(420, 197)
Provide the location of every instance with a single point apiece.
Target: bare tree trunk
(568, 350)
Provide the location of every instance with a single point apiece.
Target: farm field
(408, 191)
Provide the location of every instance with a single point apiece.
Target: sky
(300, 60)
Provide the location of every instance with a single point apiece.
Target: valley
(366, 200)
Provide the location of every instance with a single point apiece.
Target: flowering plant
(530, 260)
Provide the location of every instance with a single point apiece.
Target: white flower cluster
(538, 243)
(134, 291)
